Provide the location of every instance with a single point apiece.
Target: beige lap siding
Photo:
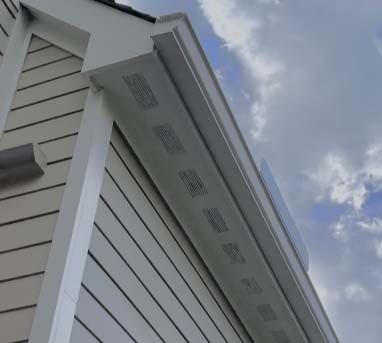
(143, 281)
(8, 12)
(47, 109)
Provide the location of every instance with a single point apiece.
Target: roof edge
(129, 10)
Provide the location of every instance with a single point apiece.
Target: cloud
(337, 181)
(342, 183)
(341, 227)
(371, 225)
(241, 32)
(355, 292)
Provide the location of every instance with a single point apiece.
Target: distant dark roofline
(129, 10)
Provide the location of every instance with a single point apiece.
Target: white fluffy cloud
(337, 181)
(343, 183)
(240, 31)
(371, 225)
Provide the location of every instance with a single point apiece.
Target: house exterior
(130, 207)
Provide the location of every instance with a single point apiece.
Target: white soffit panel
(171, 148)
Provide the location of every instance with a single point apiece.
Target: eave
(171, 61)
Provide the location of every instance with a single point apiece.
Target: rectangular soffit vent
(193, 182)
(141, 91)
(233, 252)
(266, 312)
(251, 286)
(215, 219)
(170, 140)
(280, 337)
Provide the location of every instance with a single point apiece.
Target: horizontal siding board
(130, 283)
(46, 110)
(37, 44)
(42, 132)
(24, 262)
(6, 20)
(193, 269)
(55, 174)
(114, 300)
(50, 71)
(12, 7)
(81, 335)
(59, 149)
(140, 233)
(174, 276)
(15, 326)
(45, 56)
(20, 293)
(30, 205)
(99, 321)
(28, 232)
(49, 90)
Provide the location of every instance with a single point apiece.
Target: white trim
(65, 36)
(13, 63)
(59, 292)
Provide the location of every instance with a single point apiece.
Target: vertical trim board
(61, 286)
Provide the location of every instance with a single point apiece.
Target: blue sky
(304, 79)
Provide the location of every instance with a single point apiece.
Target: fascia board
(188, 66)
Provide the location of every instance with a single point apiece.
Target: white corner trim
(59, 292)
(12, 64)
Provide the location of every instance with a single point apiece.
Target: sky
(304, 80)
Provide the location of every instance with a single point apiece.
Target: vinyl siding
(8, 13)
(47, 109)
(143, 280)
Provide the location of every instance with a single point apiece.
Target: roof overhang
(164, 92)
